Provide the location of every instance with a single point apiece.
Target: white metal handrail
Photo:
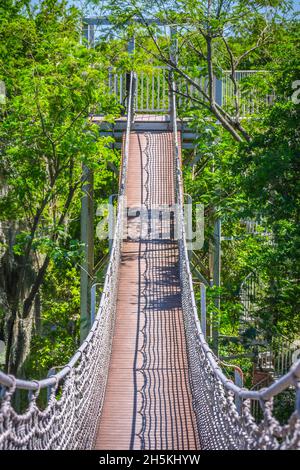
(152, 90)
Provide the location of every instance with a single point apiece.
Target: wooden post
(87, 238)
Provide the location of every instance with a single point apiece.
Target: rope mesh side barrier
(220, 424)
(71, 417)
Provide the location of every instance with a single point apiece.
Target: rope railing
(71, 416)
(221, 424)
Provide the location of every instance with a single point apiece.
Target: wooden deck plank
(148, 399)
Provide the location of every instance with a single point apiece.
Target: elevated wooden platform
(148, 399)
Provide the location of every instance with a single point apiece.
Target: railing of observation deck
(152, 91)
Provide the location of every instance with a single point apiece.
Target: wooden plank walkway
(148, 399)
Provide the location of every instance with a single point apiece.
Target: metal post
(219, 91)
(130, 50)
(93, 301)
(51, 372)
(88, 31)
(174, 43)
(91, 35)
(85, 32)
(133, 97)
(131, 45)
(87, 238)
(111, 220)
(173, 57)
(203, 308)
(216, 283)
(239, 381)
(188, 219)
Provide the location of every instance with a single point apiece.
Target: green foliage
(57, 334)
(268, 173)
(257, 180)
(53, 83)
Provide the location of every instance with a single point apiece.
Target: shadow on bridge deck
(148, 399)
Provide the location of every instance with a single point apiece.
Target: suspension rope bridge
(145, 378)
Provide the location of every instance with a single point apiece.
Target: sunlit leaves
(54, 83)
